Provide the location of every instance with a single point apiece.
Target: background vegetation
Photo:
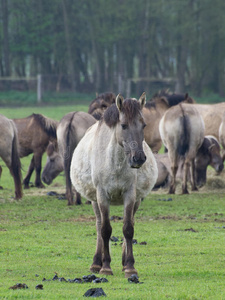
(96, 46)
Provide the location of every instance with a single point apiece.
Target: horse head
(130, 129)
(54, 164)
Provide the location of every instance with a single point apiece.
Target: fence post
(39, 90)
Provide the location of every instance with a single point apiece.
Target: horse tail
(184, 141)
(15, 168)
(71, 143)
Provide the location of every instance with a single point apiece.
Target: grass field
(179, 254)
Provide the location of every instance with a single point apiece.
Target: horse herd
(107, 155)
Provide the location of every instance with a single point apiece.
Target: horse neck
(114, 150)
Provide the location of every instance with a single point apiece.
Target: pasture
(180, 243)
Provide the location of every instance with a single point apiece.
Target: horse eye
(124, 126)
(144, 125)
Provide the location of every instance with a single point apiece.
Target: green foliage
(15, 98)
(100, 43)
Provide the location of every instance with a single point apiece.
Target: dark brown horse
(9, 152)
(34, 133)
(70, 130)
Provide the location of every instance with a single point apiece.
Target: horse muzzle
(137, 160)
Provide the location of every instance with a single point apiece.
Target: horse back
(182, 129)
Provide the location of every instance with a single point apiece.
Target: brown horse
(100, 103)
(182, 132)
(153, 112)
(207, 154)
(34, 133)
(112, 165)
(9, 152)
(70, 130)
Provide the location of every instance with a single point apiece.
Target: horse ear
(119, 102)
(142, 100)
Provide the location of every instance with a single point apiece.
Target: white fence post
(39, 90)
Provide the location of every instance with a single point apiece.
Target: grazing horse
(34, 133)
(70, 130)
(9, 152)
(182, 132)
(208, 154)
(112, 165)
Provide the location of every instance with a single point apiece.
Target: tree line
(100, 44)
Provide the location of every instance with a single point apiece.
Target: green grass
(184, 257)
(29, 98)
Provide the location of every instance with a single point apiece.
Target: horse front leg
(26, 180)
(106, 231)
(125, 258)
(97, 260)
(130, 208)
(37, 165)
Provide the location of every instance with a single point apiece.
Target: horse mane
(47, 124)
(131, 108)
(98, 102)
(171, 99)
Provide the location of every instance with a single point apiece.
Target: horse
(182, 132)
(153, 112)
(207, 154)
(34, 134)
(100, 103)
(113, 165)
(70, 130)
(212, 115)
(222, 134)
(9, 152)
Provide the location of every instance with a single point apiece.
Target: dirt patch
(83, 219)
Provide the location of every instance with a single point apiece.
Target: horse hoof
(129, 272)
(95, 268)
(107, 271)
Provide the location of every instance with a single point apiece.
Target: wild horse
(113, 165)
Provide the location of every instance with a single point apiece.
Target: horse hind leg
(193, 178)
(185, 177)
(172, 188)
(1, 188)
